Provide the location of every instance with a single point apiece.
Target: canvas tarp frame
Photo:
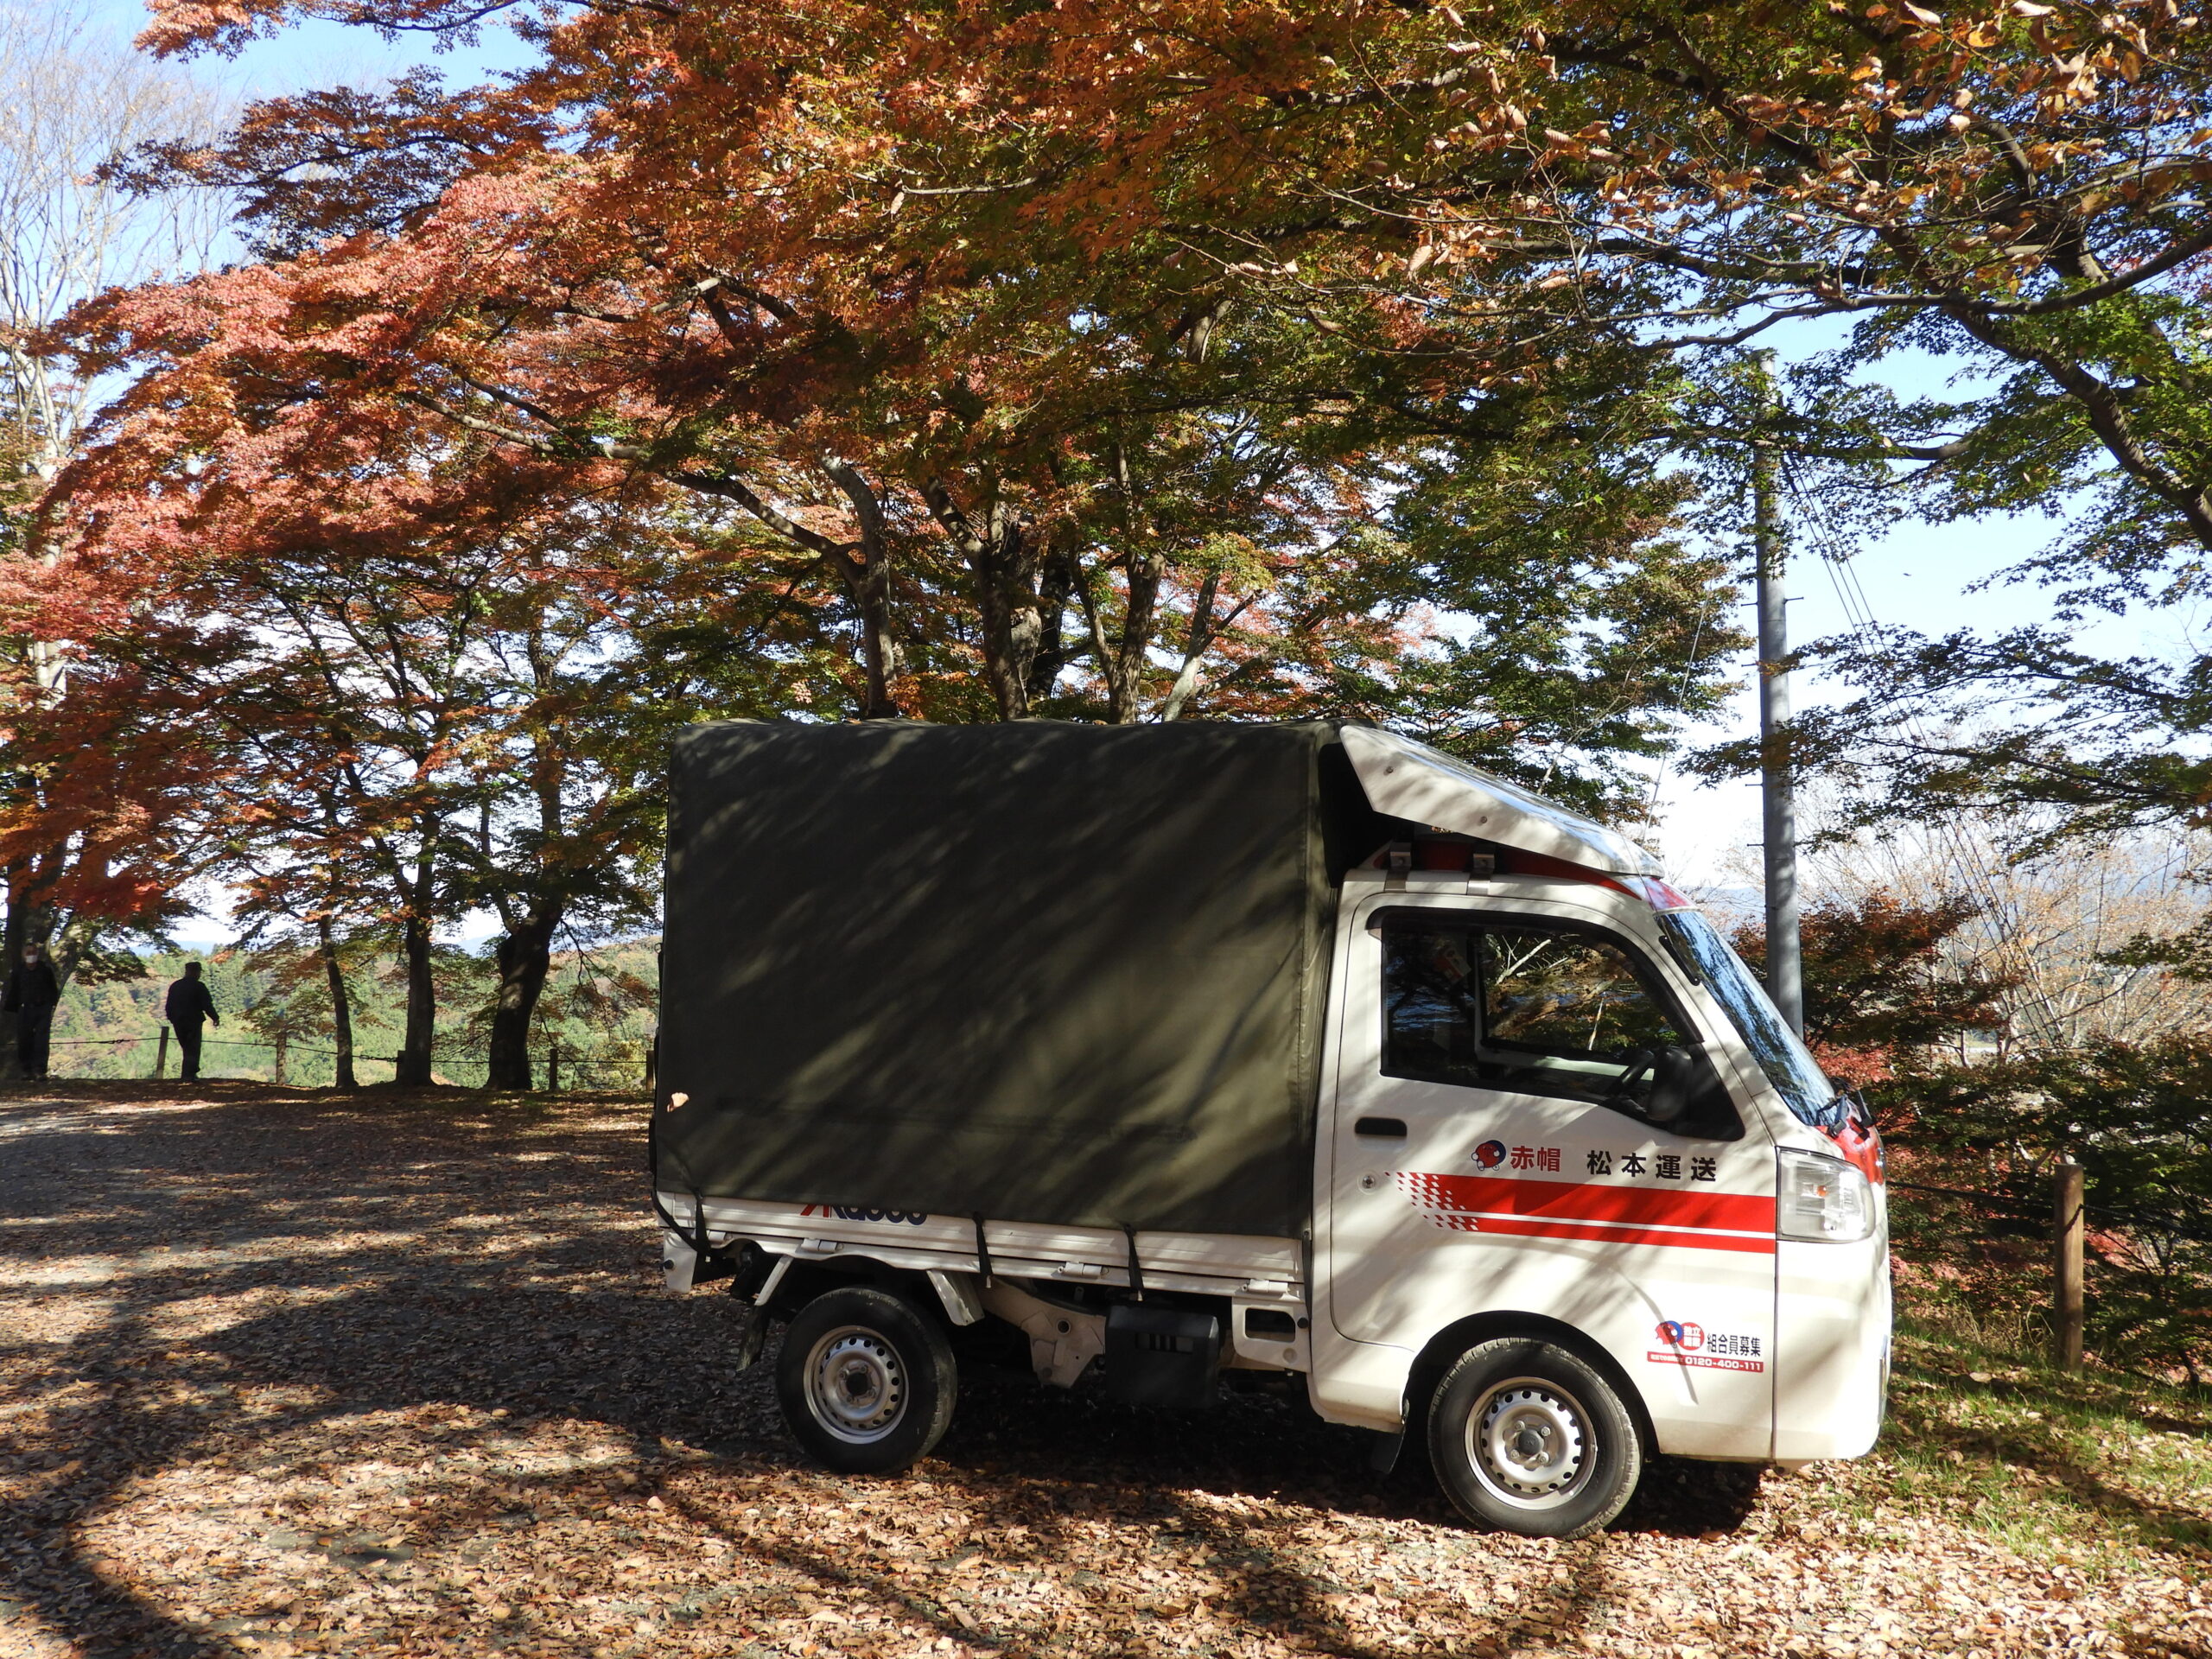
(1037, 971)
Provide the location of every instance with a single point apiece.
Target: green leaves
(1575, 631)
(2063, 744)
(2133, 1115)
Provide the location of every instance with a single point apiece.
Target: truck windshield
(1789, 1065)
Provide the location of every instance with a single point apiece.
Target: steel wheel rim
(1528, 1442)
(855, 1385)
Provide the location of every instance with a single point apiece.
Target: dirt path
(284, 1374)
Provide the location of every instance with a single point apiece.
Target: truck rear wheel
(866, 1381)
(1527, 1437)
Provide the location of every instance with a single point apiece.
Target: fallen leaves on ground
(300, 1374)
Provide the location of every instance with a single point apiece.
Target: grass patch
(2092, 1471)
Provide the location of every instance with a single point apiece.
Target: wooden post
(2066, 1238)
(553, 1068)
(162, 1054)
(652, 1065)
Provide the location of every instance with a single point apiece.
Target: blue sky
(1931, 579)
(322, 54)
(1921, 576)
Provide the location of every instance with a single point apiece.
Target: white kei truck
(1300, 1050)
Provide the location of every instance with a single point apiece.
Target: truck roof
(1406, 779)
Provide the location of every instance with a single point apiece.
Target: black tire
(1527, 1437)
(866, 1381)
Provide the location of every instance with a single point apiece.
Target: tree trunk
(1142, 576)
(866, 570)
(525, 958)
(1055, 646)
(66, 944)
(1186, 677)
(1122, 662)
(415, 1057)
(413, 1062)
(13, 937)
(341, 1008)
(1006, 566)
(1007, 561)
(880, 654)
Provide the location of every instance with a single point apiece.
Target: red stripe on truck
(1688, 1238)
(1503, 1200)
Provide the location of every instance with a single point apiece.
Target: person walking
(186, 1005)
(33, 991)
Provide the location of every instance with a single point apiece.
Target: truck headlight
(1822, 1198)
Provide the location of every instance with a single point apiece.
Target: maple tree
(2018, 180)
(953, 405)
(1999, 1015)
(381, 737)
(308, 992)
(1881, 987)
(1031, 475)
(1481, 211)
(1153, 363)
(289, 771)
(66, 234)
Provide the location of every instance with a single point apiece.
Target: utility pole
(1785, 966)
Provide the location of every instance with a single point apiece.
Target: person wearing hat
(186, 1007)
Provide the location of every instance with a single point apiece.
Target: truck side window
(1539, 1012)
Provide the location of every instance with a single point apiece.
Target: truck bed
(1245, 1271)
(1069, 973)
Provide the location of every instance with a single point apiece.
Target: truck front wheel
(866, 1381)
(1527, 1437)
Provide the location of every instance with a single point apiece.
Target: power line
(1859, 610)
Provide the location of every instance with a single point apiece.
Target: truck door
(1489, 1153)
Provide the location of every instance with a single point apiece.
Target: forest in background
(598, 1008)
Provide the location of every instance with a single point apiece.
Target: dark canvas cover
(1040, 971)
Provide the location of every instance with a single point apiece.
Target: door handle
(1390, 1126)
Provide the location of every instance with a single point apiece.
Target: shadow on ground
(326, 1373)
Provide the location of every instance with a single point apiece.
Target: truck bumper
(1832, 1317)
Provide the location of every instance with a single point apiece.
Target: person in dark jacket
(32, 993)
(188, 1005)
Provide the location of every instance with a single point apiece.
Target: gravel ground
(291, 1374)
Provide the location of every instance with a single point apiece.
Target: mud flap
(755, 1338)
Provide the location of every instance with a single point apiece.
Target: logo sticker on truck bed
(1601, 1213)
(842, 1213)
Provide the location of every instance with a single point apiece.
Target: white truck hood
(1406, 779)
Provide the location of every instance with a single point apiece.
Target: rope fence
(556, 1061)
(2064, 1220)
(2031, 1210)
